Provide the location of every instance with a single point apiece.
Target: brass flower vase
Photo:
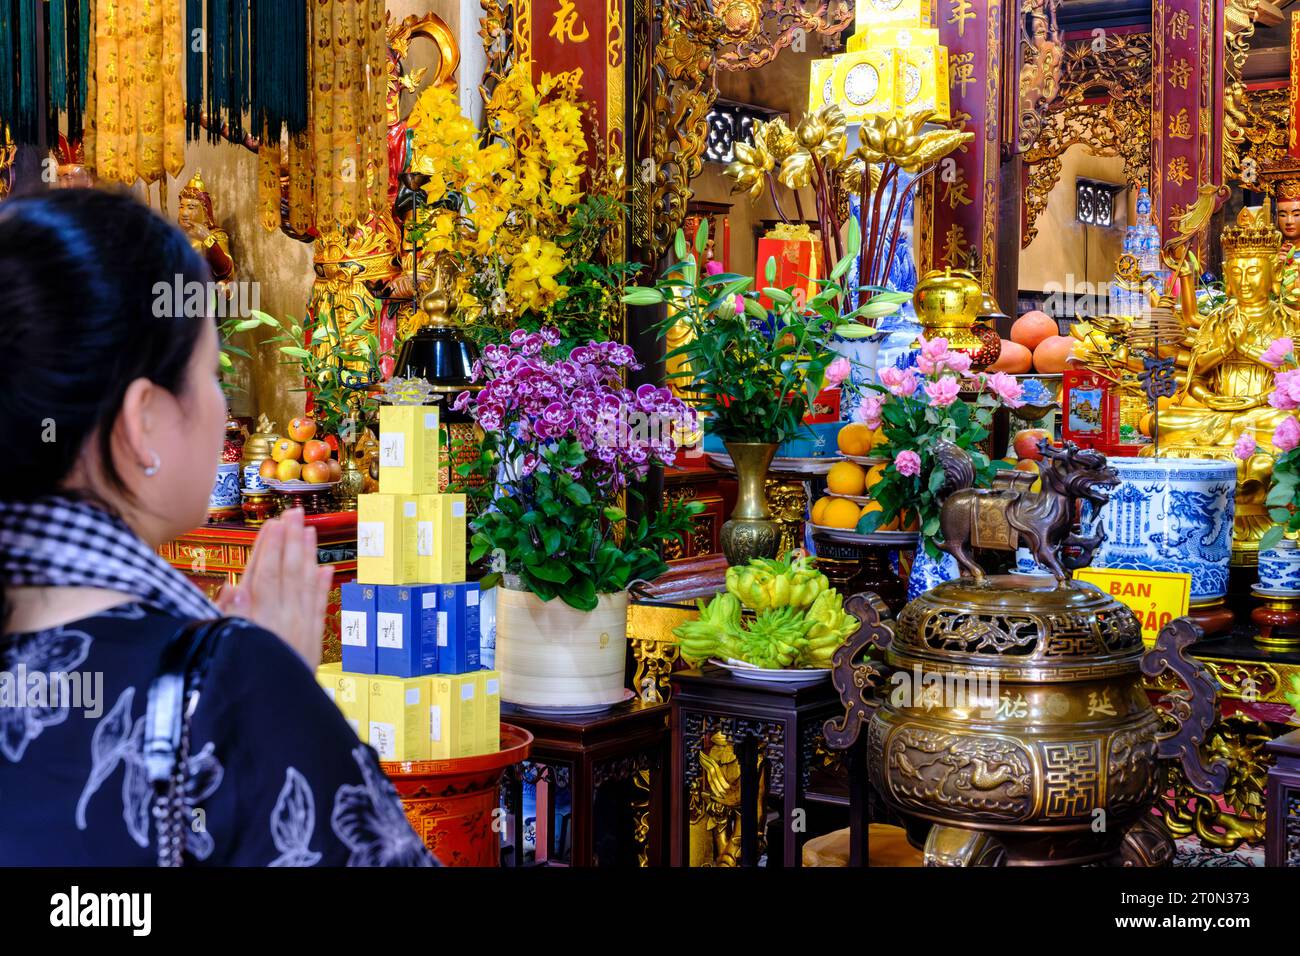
(750, 532)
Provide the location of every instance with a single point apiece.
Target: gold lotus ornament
(749, 169)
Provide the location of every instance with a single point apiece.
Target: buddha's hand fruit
(765, 584)
(829, 627)
(713, 633)
(775, 638)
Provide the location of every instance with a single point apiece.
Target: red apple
(301, 429)
(1026, 443)
(315, 450)
(336, 470)
(267, 469)
(316, 472)
(285, 449)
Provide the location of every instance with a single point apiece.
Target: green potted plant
(755, 372)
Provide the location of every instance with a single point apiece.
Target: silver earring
(152, 470)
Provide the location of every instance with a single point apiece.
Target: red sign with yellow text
(1156, 597)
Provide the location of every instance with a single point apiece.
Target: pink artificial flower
(900, 382)
(1276, 353)
(1286, 391)
(713, 268)
(740, 305)
(1246, 445)
(838, 371)
(1006, 388)
(934, 349)
(943, 391)
(868, 413)
(958, 362)
(907, 463)
(1287, 435)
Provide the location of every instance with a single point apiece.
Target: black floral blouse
(276, 775)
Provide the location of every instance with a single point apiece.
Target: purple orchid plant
(564, 441)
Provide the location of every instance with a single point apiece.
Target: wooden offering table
(612, 767)
(216, 554)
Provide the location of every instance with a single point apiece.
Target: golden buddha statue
(1220, 369)
(196, 219)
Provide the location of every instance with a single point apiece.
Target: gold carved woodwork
(1239, 818)
(755, 31)
(683, 38)
(1263, 146)
(1042, 65)
(654, 646)
(788, 503)
(1240, 14)
(1118, 126)
(715, 807)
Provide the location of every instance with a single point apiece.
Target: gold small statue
(1220, 368)
(1288, 218)
(715, 810)
(196, 218)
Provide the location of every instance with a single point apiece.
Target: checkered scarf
(63, 542)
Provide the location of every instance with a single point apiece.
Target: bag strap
(173, 696)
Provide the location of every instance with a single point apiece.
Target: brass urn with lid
(1011, 725)
(947, 303)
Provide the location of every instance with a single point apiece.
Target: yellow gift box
(821, 86)
(893, 36)
(399, 717)
(350, 693)
(863, 83)
(489, 698)
(902, 13)
(386, 539)
(922, 81)
(440, 539)
(408, 449)
(454, 716)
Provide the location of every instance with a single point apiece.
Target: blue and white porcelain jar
(1172, 514)
(225, 490)
(929, 573)
(1279, 567)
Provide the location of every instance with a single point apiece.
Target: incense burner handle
(1195, 709)
(857, 681)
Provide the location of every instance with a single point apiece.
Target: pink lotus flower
(868, 413)
(900, 382)
(838, 371)
(1286, 391)
(943, 391)
(1287, 435)
(1006, 388)
(958, 362)
(1245, 446)
(1276, 353)
(934, 349)
(907, 463)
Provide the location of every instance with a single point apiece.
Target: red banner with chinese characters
(557, 36)
(1293, 92)
(958, 203)
(1186, 98)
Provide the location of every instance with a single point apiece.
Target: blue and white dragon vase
(1172, 514)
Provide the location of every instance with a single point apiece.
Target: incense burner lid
(1025, 627)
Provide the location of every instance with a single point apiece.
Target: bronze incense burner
(1009, 723)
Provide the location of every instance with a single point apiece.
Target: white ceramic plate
(290, 487)
(1277, 592)
(543, 711)
(807, 675)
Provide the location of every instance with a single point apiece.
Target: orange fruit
(846, 478)
(875, 473)
(819, 510)
(289, 470)
(909, 521)
(871, 506)
(841, 513)
(285, 449)
(1053, 354)
(854, 439)
(317, 472)
(315, 450)
(302, 429)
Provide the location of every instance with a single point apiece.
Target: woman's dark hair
(82, 318)
(80, 270)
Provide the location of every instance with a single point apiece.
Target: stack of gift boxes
(410, 682)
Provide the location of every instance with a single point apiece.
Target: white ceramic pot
(225, 490)
(1172, 514)
(552, 655)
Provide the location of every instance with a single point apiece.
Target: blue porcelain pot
(928, 573)
(1171, 514)
(225, 491)
(1279, 567)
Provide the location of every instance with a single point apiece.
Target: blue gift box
(357, 627)
(458, 628)
(406, 635)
